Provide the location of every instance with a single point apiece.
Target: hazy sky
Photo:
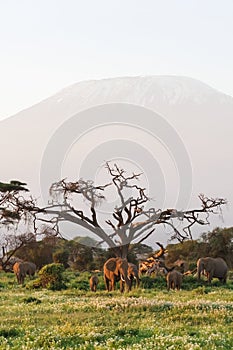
(49, 44)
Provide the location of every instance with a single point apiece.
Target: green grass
(197, 317)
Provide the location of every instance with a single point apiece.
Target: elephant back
(221, 268)
(110, 264)
(113, 263)
(24, 267)
(29, 267)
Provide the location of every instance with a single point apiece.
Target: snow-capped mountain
(151, 90)
(199, 115)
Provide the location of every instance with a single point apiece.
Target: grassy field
(197, 317)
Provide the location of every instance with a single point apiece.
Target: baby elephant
(93, 283)
(174, 280)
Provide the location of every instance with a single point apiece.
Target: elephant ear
(111, 265)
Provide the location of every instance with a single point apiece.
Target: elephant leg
(106, 280)
(223, 280)
(209, 277)
(121, 286)
(22, 279)
(112, 285)
(130, 284)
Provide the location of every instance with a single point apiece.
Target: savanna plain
(197, 317)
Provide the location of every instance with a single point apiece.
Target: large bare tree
(131, 219)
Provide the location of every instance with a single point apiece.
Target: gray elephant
(133, 274)
(21, 269)
(116, 269)
(212, 267)
(30, 268)
(174, 280)
(93, 283)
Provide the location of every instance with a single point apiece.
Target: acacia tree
(11, 210)
(131, 220)
(15, 207)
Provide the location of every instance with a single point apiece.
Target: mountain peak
(144, 90)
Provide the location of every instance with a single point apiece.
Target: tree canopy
(131, 220)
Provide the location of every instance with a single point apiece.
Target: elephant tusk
(122, 278)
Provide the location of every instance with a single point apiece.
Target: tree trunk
(121, 251)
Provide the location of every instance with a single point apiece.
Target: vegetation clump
(31, 300)
(51, 277)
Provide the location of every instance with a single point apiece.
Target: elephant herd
(118, 269)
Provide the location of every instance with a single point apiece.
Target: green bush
(80, 280)
(201, 290)
(51, 277)
(61, 256)
(31, 300)
(148, 282)
(190, 283)
(9, 333)
(82, 285)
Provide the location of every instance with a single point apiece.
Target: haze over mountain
(200, 115)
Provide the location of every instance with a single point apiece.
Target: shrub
(152, 283)
(9, 333)
(200, 290)
(31, 300)
(51, 277)
(82, 285)
(190, 283)
(61, 256)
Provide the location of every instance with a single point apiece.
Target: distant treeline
(80, 253)
(217, 243)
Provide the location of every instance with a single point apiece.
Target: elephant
(212, 267)
(21, 269)
(133, 274)
(116, 269)
(93, 283)
(174, 280)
